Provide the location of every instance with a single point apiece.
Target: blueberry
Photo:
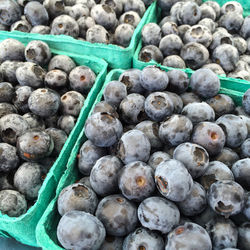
(169, 28)
(28, 179)
(167, 19)
(34, 145)
(65, 25)
(170, 187)
(151, 34)
(12, 126)
(227, 156)
(88, 156)
(97, 34)
(174, 61)
(105, 107)
(194, 157)
(203, 218)
(210, 136)
(6, 181)
(37, 52)
(178, 81)
(112, 242)
(114, 4)
(78, 10)
(114, 93)
(182, 29)
(34, 121)
(189, 97)
(190, 13)
(104, 175)
(132, 79)
(130, 17)
(150, 52)
(154, 78)
(88, 3)
(66, 123)
(158, 105)
(214, 5)
(246, 210)
(123, 34)
(199, 34)
(44, 102)
(195, 202)
(6, 108)
(118, 215)
(135, 5)
(245, 31)
(226, 198)
(245, 148)
(240, 44)
(198, 112)
(30, 74)
(10, 12)
(231, 21)
(177, 102)
(209, 23)
(207, 12)
(12, 203)
(165, 216)
(11, 49)
(20, 99)
(166, 4)
(54, 7)
(143, 238)
(6, 92)
(170, 45)
(194, 54)
(56, 79)
(183, 234)
(85, 23)
(175, 130)
(8, 69)
(40, 29)
(22, 26)
(132, 108)
(221, 37)
(227, 56)
(136, 181)
(241, 172)
(150, 129)
(36, 13)
(246, 102)
(157, 158)
(103, 129)
(205, 83)
(77, 197)
(223, 233)
(61, 62)
(244, 240)
(235, 129)
(104, 15)
(80, 230)
(216, 171)
(59, 138)
(9, 159)
(134, 145)
(232, 6)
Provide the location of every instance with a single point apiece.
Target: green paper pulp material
(226, 82)
(245, 4)
(23, 228)
(47, 226)
(116, 56)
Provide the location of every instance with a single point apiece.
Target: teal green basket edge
(226, 82)
(46, 235)
(116, 56)
(71, 174)
(23, 228)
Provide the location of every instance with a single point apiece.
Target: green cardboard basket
(227, 82)
(23, 228)
(116, 56)
(47, 226)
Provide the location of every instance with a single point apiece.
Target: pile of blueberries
(41, 96)
(166, 166)
(110, 21)
(193, 34)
